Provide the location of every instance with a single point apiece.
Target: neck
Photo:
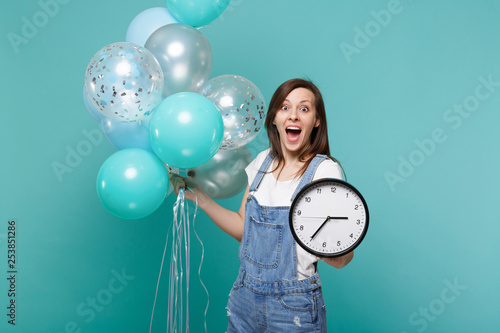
(290, 166)
(292, 157)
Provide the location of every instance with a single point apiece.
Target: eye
(284, 107)
(304, 108)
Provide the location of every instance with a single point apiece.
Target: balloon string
(171, 315)
(180, 232)
(187, 248)
(178, 272)
(201, 262)
(159, 277)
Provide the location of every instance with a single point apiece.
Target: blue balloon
(186, 130)
(197, 13)
(123, 135)
(90, 106)
(132, 183)
(147, 22)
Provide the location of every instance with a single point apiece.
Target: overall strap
(262, 171)
(309, 174)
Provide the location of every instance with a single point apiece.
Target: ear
(317, 123)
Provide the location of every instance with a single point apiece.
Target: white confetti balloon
(241, 105)
(124, 81)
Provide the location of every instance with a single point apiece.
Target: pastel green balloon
(197, 13)
(186, 130)
(132, 183)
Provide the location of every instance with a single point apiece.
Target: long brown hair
(319, 136)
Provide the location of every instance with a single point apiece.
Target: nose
(294, 114)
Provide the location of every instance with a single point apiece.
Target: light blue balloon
(90, 106)
(132, 183)
(147, 22)
(197, 13)
(123, 135)
(186, 130)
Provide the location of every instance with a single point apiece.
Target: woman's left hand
(338, 262)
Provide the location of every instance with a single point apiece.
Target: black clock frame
(320, 254)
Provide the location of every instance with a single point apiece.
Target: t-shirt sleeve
(328, 169)
(252, 169)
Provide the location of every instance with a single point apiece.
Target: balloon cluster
(159, 108)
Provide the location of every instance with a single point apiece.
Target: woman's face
(295, 120)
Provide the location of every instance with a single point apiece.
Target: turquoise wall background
(412, 90)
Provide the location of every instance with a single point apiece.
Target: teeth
(293, 128)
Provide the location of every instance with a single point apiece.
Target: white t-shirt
(272, 192)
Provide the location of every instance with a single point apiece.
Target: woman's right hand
(192, 191)
(231, 222)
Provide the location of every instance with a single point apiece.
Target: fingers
(192, 190)
(177, 182)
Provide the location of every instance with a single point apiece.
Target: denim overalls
(267, 296)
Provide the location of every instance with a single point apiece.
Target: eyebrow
(302, 101)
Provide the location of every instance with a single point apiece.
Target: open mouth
(293, 133)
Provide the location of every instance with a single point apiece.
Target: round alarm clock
(329, 217)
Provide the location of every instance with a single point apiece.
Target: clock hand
(321, 226)
(321, 217)
(327, 219)
(311, 217)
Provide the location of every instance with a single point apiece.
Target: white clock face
(329, 218)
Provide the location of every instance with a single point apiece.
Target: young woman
(278, 288)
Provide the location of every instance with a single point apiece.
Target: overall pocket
(300, 309)
(310, 302)
(301, 302)
(263, 243)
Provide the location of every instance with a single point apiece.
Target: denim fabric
(267, 296)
